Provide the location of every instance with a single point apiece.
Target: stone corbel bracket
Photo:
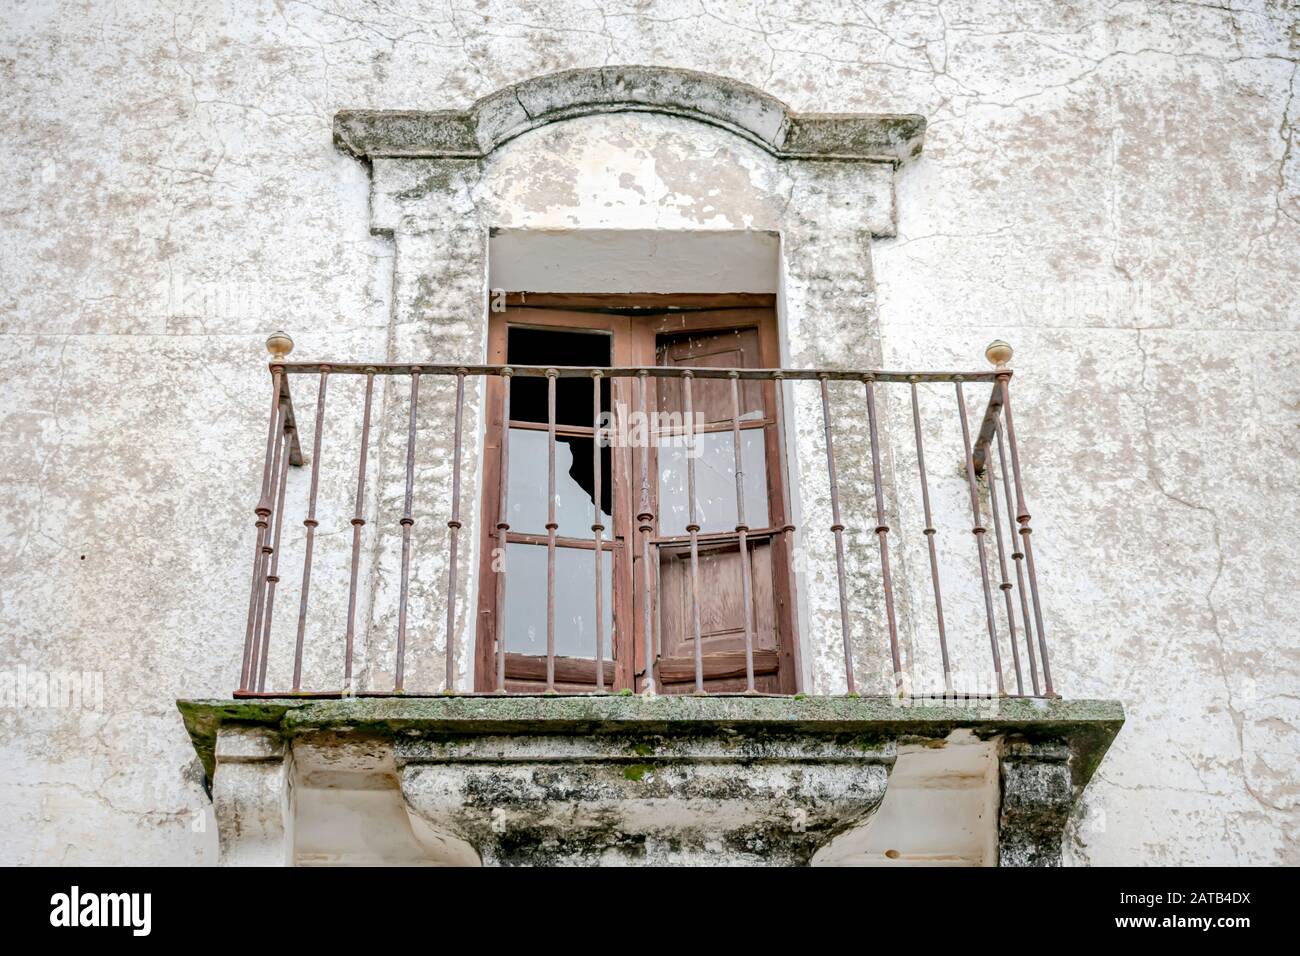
(1037, 798)
(252, 798)
(743, 110)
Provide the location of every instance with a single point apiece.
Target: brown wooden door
(554, 337)
(622, 332)
(731, 338)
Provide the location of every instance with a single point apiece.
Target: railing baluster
(977, 529)
(693, 529)
(265, 557)
(882, 536)
(310, 523)
(597, 528)
(273, 576)
(787, 531)
(929, 540)
(503, 528)
(1022, 518)
(453, 533)
(358, 521)
(551, 527)
(247, 659)
(1017, 558)
(742, 534)
(407, 521)
(645, 525)
(837, 529)
(1004, 584)
(263, 511)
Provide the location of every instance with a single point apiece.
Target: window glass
(575, 601)
(715, 482)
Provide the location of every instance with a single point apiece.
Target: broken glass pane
(574, 485)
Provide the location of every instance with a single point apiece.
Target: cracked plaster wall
(1112, 188)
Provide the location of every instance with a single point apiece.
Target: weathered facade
(1111, 190)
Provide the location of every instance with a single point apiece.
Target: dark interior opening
(551, 347)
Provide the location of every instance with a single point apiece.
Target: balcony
(992, 475)
(733, 591)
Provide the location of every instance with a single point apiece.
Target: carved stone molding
(715, 100)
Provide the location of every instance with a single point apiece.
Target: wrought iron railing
(990, 470)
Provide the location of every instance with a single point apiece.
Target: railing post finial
(998, 353)
(279, 345)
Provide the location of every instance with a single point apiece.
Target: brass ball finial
(998, 353)
(279, 345)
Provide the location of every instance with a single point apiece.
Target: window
(624, 331)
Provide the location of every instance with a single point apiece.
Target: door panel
(730, 348)
(722, 621)
(714, 343)
(552, 337)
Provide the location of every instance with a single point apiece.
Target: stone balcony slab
(670, 780)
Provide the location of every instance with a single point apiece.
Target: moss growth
(636, 771)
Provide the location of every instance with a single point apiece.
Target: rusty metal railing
(995, 439)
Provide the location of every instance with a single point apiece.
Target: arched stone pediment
(737, 107)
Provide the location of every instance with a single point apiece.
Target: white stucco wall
(1112, 188)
